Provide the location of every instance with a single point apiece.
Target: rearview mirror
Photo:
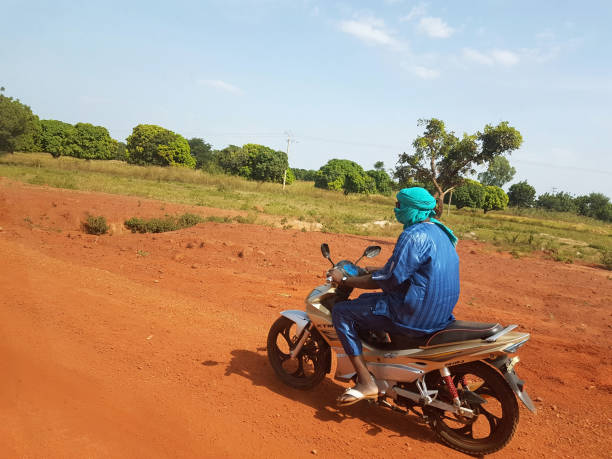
(372, 251)
(325, 250)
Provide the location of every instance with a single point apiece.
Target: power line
(560, 166)
(398, 148)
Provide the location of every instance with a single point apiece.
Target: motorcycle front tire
(311, 365)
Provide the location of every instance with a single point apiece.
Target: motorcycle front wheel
(494, 422)
(309, 367)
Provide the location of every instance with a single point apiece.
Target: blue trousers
(350, 316)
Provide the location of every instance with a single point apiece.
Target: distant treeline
(473, 194)
(21, 130)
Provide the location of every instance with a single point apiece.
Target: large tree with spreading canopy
(19, 127)
(442, 160)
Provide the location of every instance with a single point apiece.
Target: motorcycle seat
(459, 330)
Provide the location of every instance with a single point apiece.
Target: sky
(343, 79)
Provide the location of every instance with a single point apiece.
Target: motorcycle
(461, 380)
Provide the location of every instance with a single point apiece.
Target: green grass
(562, 236)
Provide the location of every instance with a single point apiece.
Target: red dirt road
(131, 345)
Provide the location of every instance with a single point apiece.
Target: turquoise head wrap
(417, 205)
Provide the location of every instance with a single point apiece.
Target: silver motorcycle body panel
(404, 365)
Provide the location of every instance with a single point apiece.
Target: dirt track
(153, 345)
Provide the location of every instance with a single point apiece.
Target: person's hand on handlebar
(335, 276)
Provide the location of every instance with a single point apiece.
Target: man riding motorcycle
(420, 287)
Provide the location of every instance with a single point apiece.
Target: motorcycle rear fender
(514, 381)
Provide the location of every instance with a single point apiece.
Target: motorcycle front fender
(299, 317)
(301, 320)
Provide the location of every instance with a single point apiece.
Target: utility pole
(289, 140)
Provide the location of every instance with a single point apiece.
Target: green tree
(151, 144)
(290, 177)
(255, 162)
(595, 205)
(521, 194)
(379, 166)
(93, 142)
(19, 127)
(306, 175)
(333, 176)
(495, 199)
(559, 202)
(266, 164)
(234, 160)
(498, 173)
(384, 184)
(121, 152)
(470, 194)
(442, 159)
(57, 138)
(202, 152)
(356, 182)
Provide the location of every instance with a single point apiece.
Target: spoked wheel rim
(493, 423)
(309, 367)
(302, 366)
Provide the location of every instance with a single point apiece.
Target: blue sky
(346, 79)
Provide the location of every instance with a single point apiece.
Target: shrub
(307, 175)
(560, 202)
(470, 194)
(162, 225)
(345, 175)
(95, 225)
(495, 199)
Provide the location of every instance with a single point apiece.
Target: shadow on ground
(255, 367)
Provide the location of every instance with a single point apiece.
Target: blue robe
(420, 284)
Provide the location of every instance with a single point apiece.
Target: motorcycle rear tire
(494, 386)
(316, 350)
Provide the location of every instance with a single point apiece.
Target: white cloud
(496, 56)
(435, 27)
(371, 31)
(425, 73)
(505, 58)
(416, 11)
(476, 56)
(222, 85)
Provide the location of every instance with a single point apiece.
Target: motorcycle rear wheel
(496, 421)
(310, 366)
